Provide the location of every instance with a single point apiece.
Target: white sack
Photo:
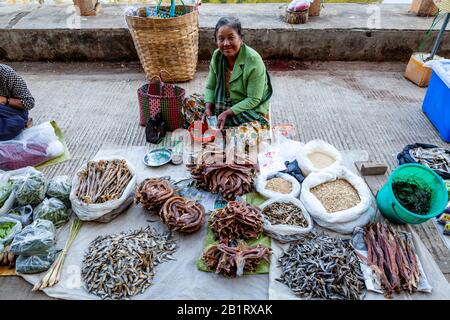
(261, 182)
(282, 232)
(103, 212)
(341, 221)
(317, 146)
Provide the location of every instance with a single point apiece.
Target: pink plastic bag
(31, 148)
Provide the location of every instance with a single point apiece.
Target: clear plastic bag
(59, 187)
(29, 187)
(52, 209)
(6, 188)
(13, 226)
(30, 148)
(35, 239)
(24, 214)
(36, 263)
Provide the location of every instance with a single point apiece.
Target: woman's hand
(209, 108)
(222, 118)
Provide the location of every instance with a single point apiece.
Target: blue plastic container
(436, 104)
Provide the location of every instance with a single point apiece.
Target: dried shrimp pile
(152, 193)
(183, 215)
(237, 220)
(233, 261)
(229, 180)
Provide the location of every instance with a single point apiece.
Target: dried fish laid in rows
(233, 261)
(434, 158)
(285, 213)
(320, 266)
(152, 193)
(392, 259)
(102, 181)
(183, 215)
(229, 180)
(336, 195)
(123, 265)
(237, 220)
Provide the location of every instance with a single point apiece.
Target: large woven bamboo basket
(170, 44)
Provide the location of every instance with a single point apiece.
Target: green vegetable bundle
(30, 188)
(5, 229)
(5, 192)
(59, 187)
(36, 239)
(52, 209)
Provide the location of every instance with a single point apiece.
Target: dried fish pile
(322, 267)
(121, 266)
(279, 185)
(103, 181)
(229, 180)
(285, 213)
(183, 215)
(392, 259)
(233, 261)
(237, 220)
(336, 195)
(434, 158)
(152, 193)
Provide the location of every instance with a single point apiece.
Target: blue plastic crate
(436, 104)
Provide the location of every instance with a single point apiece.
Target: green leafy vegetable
(30, 188)
(52, 209)
(5, 192)
(412, 197)
(59, 187)
(5, 229)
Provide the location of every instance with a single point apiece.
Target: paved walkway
(350, 105)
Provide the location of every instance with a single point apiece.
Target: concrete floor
(351, 105)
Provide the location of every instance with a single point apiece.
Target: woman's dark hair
(232, 22)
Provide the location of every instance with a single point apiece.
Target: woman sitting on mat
(238, 87)
(15, 101)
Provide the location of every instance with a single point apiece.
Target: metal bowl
(158, 157)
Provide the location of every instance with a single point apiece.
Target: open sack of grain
(337, 199)
(317, 155)
(285, 219)
(277, 184)
(103, 189)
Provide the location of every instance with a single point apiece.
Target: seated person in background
(15, 101)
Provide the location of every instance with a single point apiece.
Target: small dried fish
(285, 213)
(319, 266)
(121, 266)
(434, 158)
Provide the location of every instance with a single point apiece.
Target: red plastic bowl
(196, 137)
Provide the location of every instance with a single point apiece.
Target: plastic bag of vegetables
(6, 193)
(23, 214)
(35, 264)
(59, 187)
(9, 228)
(30, 187)
(35, 239)
(52, 209)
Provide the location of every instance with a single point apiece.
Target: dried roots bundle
(152, 193)
(229, 180)
(392, 259)
(238, 220)
(233, 261)
(7, 258)
(103, 181)
(183, 215)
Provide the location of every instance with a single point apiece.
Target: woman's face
(228, 41)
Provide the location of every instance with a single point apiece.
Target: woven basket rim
(145, 93)
(158, 18)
